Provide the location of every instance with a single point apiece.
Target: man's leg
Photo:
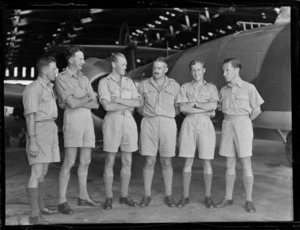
(167, 171)
(125, 172)
(248, 180)
(64, 175)
(108, 175)
(33, 194)
(82, 172)
(207, 174)
(186, 180)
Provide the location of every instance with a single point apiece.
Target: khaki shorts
(158, 134)
(78, 128)
(237, 136)
(119, 130)
(197, 132)
(47, 141)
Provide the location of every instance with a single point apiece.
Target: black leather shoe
(183, 202)
(224, 203)
(170, 201)
(108, 203)
(127, 200)
(249, 206)
(209, 202)
(64, 208)
(145, 201)
(37, 220)
(88, 202)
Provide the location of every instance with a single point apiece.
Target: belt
(197, 115)
(48, 120)
(235, 117)
(123, 113)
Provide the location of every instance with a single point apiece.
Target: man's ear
(166, 69)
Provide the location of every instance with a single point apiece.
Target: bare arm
(127, 102)
(189, 108)
(255, 113)
(207, 105)
(30, 124)
(73, 102)
(92, 104)
(113, 107)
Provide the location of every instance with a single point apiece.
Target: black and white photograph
(150, 114)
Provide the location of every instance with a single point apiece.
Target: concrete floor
(272, 193)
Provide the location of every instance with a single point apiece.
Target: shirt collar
(203, 82)
(237, 81)
(167, 80)
(70, 73)
(44, 83)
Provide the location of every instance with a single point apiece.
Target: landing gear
(289, 148)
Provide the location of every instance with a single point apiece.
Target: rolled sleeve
(30, 101)
(255, 98)
(140, 91)
(91, 91)
(103, 90)
(214, 96)
(177, 92)
(63, 89)
(135, 94)
(182, 98)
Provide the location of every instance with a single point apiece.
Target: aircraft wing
(103, 51)
(13, 95)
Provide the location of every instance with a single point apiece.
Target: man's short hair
(161, 59)
(44, 61)
(114, 57)
(71, 50)
(193, 62)
(236, 63)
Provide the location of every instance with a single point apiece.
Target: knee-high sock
(108, 181)
(230, 179)
(207, 184)
(33, 198)
(148, 175)
(248, 183)
(186, 178)
(41, 195)
(82, 180)
(63, 185)
(125, 179)
(168, 177)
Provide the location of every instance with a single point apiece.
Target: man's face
(120, 65)
(51, 71)
(77, 60)
(159, 70)
(197, 71)
(229, 72)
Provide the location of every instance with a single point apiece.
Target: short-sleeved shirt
(38, 98)
(239, 98)
(199, 92)
(67, 83)
(109, 87)
(158, 102)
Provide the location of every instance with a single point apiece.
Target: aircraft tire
(289, 148)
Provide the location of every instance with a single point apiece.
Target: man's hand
(33, 147)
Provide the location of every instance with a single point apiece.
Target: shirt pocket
(169, 97)
(114, 92)
(126, 94)
(205, 96)
(242, 100)
(151, 96)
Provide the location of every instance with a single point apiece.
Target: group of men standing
(158, 99)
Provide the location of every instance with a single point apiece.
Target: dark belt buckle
(123, 113)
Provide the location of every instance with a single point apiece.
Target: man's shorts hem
(42, 162)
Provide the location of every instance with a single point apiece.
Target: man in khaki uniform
(119, 97)
(198, 100)
(76, 93)
(240, 103)
(40, 111)
(158, 127)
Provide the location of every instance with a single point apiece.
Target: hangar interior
(28, 33)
